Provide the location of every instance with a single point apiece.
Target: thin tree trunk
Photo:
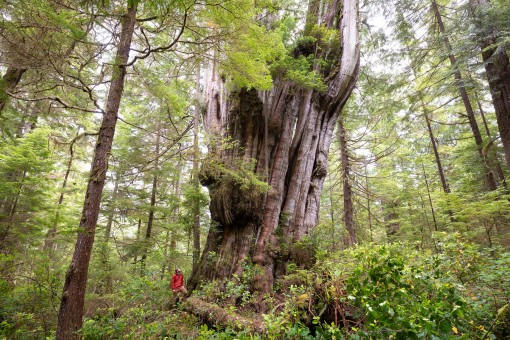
(196, 180)
(9, 211)
(105, 249)
(49, 243)
(368, 206)
(430, 198)
(433, 142)
(150, 221)
(427, 220)
(138, 232)
(334, 241)
(171, 236)
(348, 206)
(489, 176)
(111, 213)
(71, 307)
(391, 218)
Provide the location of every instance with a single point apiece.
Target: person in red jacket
(178, 284)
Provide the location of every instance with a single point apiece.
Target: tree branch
(162, 48)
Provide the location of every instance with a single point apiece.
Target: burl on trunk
(285, 134)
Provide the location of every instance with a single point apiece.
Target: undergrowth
(460, 291)
(390, 292)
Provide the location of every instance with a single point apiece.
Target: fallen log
(215, 315)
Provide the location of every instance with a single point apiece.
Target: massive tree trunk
(497, 67)
(287, 131)
(490, 180)
(73, 295)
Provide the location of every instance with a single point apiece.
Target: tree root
(215, 315)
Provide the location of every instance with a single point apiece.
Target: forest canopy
(316, 170)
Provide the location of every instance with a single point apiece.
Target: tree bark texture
(10, 80)
(489, 176)
(71, 307)
(216, 316)
(497, 68)
(350, 240)
(287, 131)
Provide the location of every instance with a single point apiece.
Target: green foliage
(207, 333)
(248, 58)
(248, 46)
(25, 180)
(140, 323)
(383, 292)
(319, 48)
(236, 292)
(401, 293)
(27, 308)
(483, 218)
(299, 72)
(402, 300)
(239, 171)
(139, 308)
(290, 321)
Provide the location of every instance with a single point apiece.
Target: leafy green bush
(401, 300)
(395, 291)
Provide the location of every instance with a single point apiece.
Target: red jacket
(177, 281)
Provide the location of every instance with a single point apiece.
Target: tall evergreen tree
(73, 295)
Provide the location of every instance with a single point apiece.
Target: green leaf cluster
(248, 57)
(299, 72)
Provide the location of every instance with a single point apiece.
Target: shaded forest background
(413, 235)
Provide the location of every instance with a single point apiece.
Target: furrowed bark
(350, 238)
(71, 307)
(497, 68)
(216, 316)
(288, 132)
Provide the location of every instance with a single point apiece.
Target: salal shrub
(398, 292)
